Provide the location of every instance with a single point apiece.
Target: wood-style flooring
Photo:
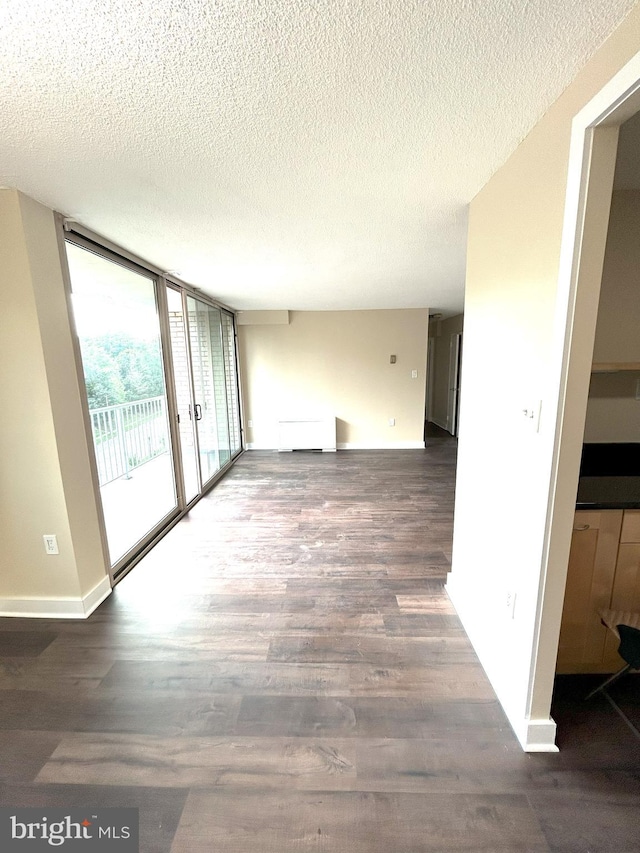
(284, 672)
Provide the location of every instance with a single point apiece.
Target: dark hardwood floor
(284, 672)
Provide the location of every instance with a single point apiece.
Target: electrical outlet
(392, 421)
(510, 602)
(51, 543)
(250, 424)
(414, 374)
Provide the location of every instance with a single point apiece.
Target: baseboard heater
(307, 434)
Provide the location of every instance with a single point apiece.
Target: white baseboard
(537, 735)
(57, 608)
(381, 445)
(359, 445)
(98, 594)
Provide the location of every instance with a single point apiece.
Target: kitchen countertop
(608, 493)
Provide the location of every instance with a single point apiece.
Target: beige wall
(262, 318)
(613, 413)
(45, 480)
(337, 363)
(510, 363)
(441, 332)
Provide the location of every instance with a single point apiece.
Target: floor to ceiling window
(132, 328)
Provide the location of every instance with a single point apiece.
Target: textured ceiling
(307, 154)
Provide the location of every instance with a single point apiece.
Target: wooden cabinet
(590, 576)
(604, 571)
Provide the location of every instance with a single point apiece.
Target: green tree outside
(119, 368)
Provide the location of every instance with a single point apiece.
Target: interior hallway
(285, 672)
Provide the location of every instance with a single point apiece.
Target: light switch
(532, 414)
(414, 374)
(51, 543)
(392, 359)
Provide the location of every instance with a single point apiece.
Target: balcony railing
(128, 435)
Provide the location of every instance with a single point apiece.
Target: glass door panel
(117, 320)
(219, 385)
(205, 335)
(231, 381)
(184, 402)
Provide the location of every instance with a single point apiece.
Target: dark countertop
(608, 493)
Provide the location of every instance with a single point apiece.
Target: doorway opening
(604, 559)
(444, 367)
(592, 162)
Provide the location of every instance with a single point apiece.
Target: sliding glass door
(209, 386)
(156, 448)
(206, 387)
(118, 324)
(182, 381)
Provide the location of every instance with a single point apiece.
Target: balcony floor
(132, 507)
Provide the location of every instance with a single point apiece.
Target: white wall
(613, 413)
(336, 363)
(504, 463)
(45, 478)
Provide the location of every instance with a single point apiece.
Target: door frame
(592, 156)
(431, 373)
(453, 391)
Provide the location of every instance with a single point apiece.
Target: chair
(626, 626)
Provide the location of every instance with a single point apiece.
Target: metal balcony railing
(128, 435)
